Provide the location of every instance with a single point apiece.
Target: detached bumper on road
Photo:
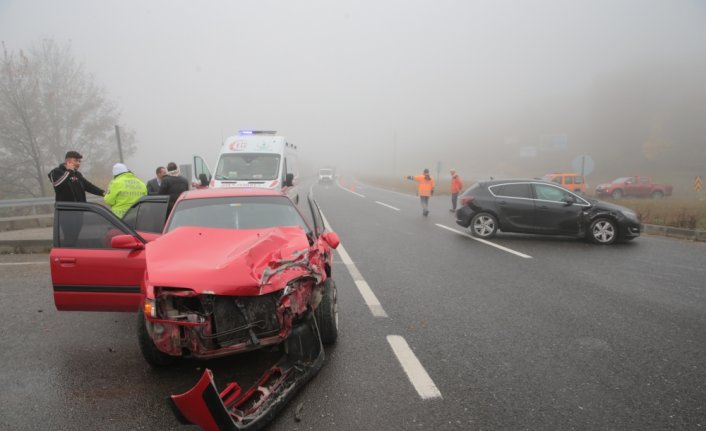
(232, 409)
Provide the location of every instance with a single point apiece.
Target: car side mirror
(128, 242)
(289, 180)
(331, 239)
(569, 200)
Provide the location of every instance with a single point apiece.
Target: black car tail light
(466, 200)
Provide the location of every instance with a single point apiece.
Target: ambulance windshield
(248, 167)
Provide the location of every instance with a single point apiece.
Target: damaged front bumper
(233, 409)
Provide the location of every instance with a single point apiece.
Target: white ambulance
(253, 158)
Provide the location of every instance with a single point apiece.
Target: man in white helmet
(124, 190)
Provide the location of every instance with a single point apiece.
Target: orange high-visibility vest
(456, 184)
(425, 186)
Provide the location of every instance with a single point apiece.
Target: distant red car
(230, 271)
(639, 187)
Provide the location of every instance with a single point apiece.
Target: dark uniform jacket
(153, 187)
(173, 186)
(71, 186)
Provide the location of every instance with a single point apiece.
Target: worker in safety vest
(425, 188)
(456, 186)
(124, 190)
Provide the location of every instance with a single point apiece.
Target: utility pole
(120, 145)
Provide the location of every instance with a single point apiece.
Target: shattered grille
(244, 318)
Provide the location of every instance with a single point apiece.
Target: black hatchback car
(540, 207)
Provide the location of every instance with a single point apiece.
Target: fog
(391, 87)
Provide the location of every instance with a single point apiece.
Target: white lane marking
(516, 253)
(349, 191)
(365, 291)
(23, 263)
(386, 205)
(415, 371)
(406, 195)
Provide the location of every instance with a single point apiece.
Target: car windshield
(325, 172)
(248, 166)
(238, 212)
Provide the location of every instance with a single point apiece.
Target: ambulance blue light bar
(256, 132)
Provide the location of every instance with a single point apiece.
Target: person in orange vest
(456, 186)
(425, 188)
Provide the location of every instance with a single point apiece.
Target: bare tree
(49, 105)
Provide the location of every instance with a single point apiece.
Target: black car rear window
(515, 190)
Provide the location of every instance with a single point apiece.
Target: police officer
(124, 190)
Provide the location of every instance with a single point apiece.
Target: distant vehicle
(633, 187)
(569, 180)
(326, 175)
(254, 158)
(541, 207)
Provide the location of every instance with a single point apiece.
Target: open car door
(201, 171)
(88, 272)
(148, 215)
(316, 217)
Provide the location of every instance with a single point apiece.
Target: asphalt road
(547, 333)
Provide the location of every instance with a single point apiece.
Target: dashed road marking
(349, 191)
(415, 371)
(386, 205)
(365, 291)
(509, 250)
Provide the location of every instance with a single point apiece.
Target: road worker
(456, 186)
(425, 189)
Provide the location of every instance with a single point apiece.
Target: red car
(637, 187)
(230, 271)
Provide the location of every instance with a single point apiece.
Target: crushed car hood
(244, 262)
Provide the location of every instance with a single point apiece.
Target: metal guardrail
(33, 203)
(29, 202)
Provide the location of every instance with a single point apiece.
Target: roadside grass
(675, 212)
(672, 211)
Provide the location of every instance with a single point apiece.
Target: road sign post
(583, 164)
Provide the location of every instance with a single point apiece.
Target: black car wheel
(484, 225)
(617, 194)
(150, 352)
(657, 194)
(603, 231)
(327, 313)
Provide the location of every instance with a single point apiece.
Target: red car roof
(223, 192)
